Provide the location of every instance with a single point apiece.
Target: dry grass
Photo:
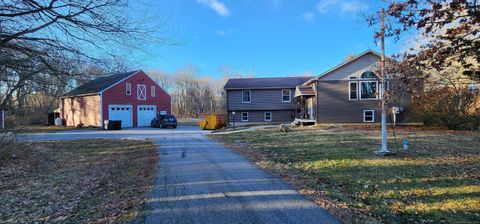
(87, 181)
(438, 181)
(40, 128)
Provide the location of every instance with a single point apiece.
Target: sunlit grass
(438, 180)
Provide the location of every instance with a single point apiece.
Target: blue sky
(266, 37)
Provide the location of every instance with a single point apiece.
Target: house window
(286, 95)
(368, 116)
(368, 75)
(244, 116)
(246, 96)
(152, 91)
(368, 90)
(141, 92)
(128, 89)
(268, 116)
(353, 90)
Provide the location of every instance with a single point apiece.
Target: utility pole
(384, 150)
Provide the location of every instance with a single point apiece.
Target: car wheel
(174, 126)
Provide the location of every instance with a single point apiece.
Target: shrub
(453, 108)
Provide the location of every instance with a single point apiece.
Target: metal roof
(265, 83)
(97, 85)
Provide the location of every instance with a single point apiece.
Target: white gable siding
(354, 68)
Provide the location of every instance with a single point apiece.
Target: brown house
(347, 93)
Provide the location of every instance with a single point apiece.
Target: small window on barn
(152, 90)
(128, 89)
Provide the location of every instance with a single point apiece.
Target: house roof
(97, 85)
(369, 51)
(265, 83)
(304, 91)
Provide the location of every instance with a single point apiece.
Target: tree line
(48, 47)
(193, 94)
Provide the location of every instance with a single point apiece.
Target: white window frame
(359, 87)
(289, 96)
(152, 91)
(128, 89)
(249, 96)
(350, 90)
(241, 116)
(139, 93)
(265, 116)
(373, 116)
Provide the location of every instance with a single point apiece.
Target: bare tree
(49, 46)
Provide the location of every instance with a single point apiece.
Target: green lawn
(85, 181)
(438, 181)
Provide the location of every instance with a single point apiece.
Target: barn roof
(97, 85)
(265, 83)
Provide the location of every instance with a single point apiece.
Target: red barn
(132, 97)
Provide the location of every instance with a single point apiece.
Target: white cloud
(341, 6)
(276, 3)
(224, 33)
(308, 16)
(217, 6)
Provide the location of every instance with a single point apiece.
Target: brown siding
(261, 99)
(334, 105)
(354, 68)
(81, 110)
(255, 116)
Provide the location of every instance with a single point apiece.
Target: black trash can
(112, 124)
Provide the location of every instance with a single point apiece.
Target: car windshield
(171, 118)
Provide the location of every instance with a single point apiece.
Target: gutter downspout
(101, 110)
(315, 84)
(3, 119)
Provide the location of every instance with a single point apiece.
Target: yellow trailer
(213, 122)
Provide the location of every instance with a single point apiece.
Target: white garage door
(121, 112)
(145, 114)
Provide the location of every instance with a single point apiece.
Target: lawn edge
(341, 211)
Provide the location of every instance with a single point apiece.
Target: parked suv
(164, 121)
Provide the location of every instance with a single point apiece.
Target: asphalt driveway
(200, 181)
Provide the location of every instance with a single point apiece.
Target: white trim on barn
(141, 92)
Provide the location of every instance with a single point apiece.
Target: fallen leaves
(76, 181)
